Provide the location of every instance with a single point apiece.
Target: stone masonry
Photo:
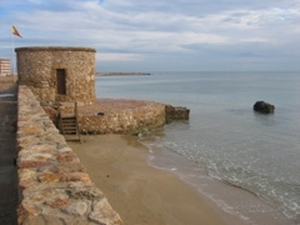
(58, 74)
(61, 76)
(54, 187)
(121, 116)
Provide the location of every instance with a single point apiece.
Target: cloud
(117, 57)
(254, 40)
(140, 29)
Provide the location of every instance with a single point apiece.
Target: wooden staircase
(68, 125)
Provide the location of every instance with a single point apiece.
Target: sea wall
(120, 116)
(54, 187)
(128, 117)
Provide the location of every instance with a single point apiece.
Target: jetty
(43, 178)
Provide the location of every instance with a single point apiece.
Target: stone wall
(132, 117)
(120, 116)
(176, 113)
(54, 187)
(38, 66)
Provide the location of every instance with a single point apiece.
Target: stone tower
(58, 74)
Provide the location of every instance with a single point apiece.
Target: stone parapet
(54, 187)
(121, 116)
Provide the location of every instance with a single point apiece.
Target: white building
(5, 67)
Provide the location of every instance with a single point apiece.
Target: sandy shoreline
(140, 193)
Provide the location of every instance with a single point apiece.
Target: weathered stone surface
(263, 107)
(103, 214)
(54, 187)
(27, 177)
(41, 193)
(176, 113)
(77, 208)
(23, 163)
(23, 214)
(65, 149)
(67, 157)
(43, 62)
(78, 190)
(48, 178)
(27, 141)
(35, 160)
(121, 116)
(77, 176)
(38, 148)
(31, 209)
(43, 220)
(52, 113)
(57, 203)
(32, 130)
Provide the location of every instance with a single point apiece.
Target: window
(61, 81)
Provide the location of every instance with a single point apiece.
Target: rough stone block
(177, 113)
(103, 214)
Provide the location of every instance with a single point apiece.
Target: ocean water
(225, 145)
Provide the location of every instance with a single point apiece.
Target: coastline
(122, 74)
(225, 136)
(140, 193)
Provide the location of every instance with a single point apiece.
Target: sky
(162, 35)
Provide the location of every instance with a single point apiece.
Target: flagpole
(12, 53)
(14, 32)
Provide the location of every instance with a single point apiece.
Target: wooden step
(71, 137)
(69, 126)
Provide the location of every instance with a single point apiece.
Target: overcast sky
(162, 35)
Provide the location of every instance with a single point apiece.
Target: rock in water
(176, 113)
(263, 107)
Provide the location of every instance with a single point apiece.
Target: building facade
(58, 74)
(5, 67)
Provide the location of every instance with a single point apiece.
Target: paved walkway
(8, 170)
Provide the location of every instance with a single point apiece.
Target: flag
(15, 32)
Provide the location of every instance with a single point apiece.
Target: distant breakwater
(122, 74)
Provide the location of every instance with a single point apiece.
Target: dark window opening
(61, 81)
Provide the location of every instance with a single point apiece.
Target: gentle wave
(259, 153)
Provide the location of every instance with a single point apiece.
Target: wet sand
(140, 193)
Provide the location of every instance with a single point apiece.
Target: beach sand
(140, 193)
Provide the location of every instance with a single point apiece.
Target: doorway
(61, 81)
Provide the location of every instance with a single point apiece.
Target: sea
(245, 163)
